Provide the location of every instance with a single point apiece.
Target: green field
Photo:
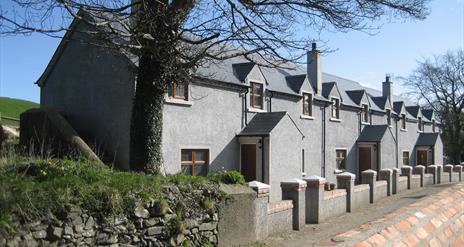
(13, 108)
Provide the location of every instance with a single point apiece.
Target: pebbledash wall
(93, 88)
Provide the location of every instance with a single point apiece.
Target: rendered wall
(93, 88)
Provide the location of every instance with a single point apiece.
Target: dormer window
(179, 91)
(389, 119)
(336, 108)
(420, 124)
(256, 95)
(365, 113)
(307, 104)
(403, 121)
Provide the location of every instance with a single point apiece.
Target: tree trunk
(147, 117)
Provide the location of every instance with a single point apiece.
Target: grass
(13, 108)
(31, 188)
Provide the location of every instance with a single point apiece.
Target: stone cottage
(269, 124)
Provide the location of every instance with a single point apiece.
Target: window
(194, 162)
(365, 114)
(179, 91)
(302, 161)
(341, 159)
(433, 125)
(256, 96)
(403, 121)
(335, 108)
(420, 125)
(389, 119)
(307, 104)
(405, 158)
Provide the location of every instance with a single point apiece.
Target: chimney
(314, 69)
(387, 88)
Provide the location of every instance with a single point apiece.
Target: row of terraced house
(271, 124)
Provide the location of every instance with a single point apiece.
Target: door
(248, 161)
(422, 157)
(365, 159)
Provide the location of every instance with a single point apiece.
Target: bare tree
(173, 37)
(439, 84)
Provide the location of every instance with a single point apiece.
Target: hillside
(13, 108)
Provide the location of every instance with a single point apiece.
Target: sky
(395, 49)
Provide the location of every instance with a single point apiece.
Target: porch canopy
(427, 139)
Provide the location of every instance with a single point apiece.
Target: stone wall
(186, 218)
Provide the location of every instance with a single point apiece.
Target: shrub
(227, 177)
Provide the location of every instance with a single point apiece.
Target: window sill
(306, 117)
(335, 120)
(178, 101)
(390, 126)
(303, 174)
(420, 131)
(365, 123)
(255, 110)
(404, 130)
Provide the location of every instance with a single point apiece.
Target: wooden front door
(248, 161)
(422, 157)
(365, 159)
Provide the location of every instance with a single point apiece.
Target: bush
(227, 177)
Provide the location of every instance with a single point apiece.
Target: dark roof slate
(413, 110)
(427, 113)
(356, 95)
(372, 133)
(327, 88)
(241, 70)
(262, 123)
(380, 101)
(295, 82)
(427, 139)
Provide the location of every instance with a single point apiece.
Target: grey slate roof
(241, 70)
(372, 133)
(356, 95)
(413, 110)
(427, 139)
(327, 88)
(294, 82)
(262, 123)
(380, 101)
(427, 113)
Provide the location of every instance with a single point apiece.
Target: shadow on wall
(228, 157)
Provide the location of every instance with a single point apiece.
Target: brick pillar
(295, 190)
(419, 170)
(386, 174)
(458, 169)
(433, 169)
(449, 169)
(261, 219)
(395, 175)
(346, 181)
(407, 171)
(314, 196)
(370, 177)
(439, 171)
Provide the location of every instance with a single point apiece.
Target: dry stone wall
(187, 221)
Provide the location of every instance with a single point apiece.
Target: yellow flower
(50, 163)
(62, 168)
(43, 173)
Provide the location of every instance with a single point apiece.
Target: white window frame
(336, 118)
(303, 116)
(251, 107)
(365, 114)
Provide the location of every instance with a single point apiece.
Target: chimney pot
(314, 46)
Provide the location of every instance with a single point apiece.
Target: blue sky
(395, 49)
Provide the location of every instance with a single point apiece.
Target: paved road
(432, 215)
